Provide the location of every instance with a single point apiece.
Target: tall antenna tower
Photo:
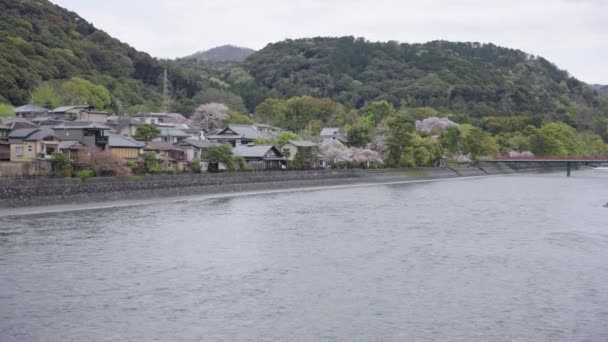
(165, 93)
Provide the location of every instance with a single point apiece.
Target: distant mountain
(225, 53)
(602, 89)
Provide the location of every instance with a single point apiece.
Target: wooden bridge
(569, 160)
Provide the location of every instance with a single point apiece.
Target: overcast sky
(571, 33)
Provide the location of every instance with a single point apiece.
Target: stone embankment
(56, 191)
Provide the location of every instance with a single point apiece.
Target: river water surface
(514, 258)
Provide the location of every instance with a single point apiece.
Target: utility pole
(165, 93)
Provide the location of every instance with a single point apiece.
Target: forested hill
(42, 42)
(50, 56)
(473, 78)
(225, 53)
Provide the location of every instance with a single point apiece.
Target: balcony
(101, 140)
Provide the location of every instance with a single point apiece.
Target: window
(29, 148)
(19, 151)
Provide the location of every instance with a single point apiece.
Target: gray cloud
(570, 33)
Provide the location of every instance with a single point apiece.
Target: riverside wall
(61, 191)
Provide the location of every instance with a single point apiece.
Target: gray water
(515, 258)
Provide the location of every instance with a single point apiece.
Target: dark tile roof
(31, 109)
(32, 134)
(302, 143)
(198, 143)
(254, 151)
(161, 146)
(64, 109)
(21, 133)
(82, 125)
(117, 140)
(70, 145)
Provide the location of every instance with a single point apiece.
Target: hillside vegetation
(468, 78)
(41, 42)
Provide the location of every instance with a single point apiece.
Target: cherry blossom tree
(434, 125)
(336, 153)
(210, 116)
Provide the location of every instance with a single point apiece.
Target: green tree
(377, 111)
(555, 139)
(221, 154)
(361, 134)
(44, 95)
(299, 162)
(271, 111)
(146, 132)
(263, 141)
(285, 137)
(315, 127)
(6, 110)
(235, 117)
(150, 162)
(422, 151)
(450, 140)
(62, 165)
(81, 91)
(476, 143)
(240, 164)
(399, 137)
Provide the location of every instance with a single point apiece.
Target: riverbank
(44, 192)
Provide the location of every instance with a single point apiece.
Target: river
(509, 258)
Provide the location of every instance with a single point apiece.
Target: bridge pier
(568, 168)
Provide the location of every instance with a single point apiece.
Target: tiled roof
(247, 131)
(31, 109)
(64, 109)
(161, 146)
(117, 140)
(82, 125)
(252, 151)
(302, 143)
(41, 133)
(173, 132)
(21, 133)
(31, 134)
(199, 143)
(70, 144)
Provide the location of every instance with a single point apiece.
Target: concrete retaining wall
(53, 191)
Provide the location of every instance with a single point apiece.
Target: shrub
(62, 165)
(240, 164)
(195, 166)
(85, 174)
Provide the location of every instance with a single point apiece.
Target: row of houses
(37, 133)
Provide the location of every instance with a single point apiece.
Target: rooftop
(64, 109)
(70, 145)
(30, 108)
(173, 132)
(117, 140)
(246, 131)
(82, 125)
(302, 143)
(252, 151)
(199, 143)
(161, 146)
(16, 123)
(32, 134)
